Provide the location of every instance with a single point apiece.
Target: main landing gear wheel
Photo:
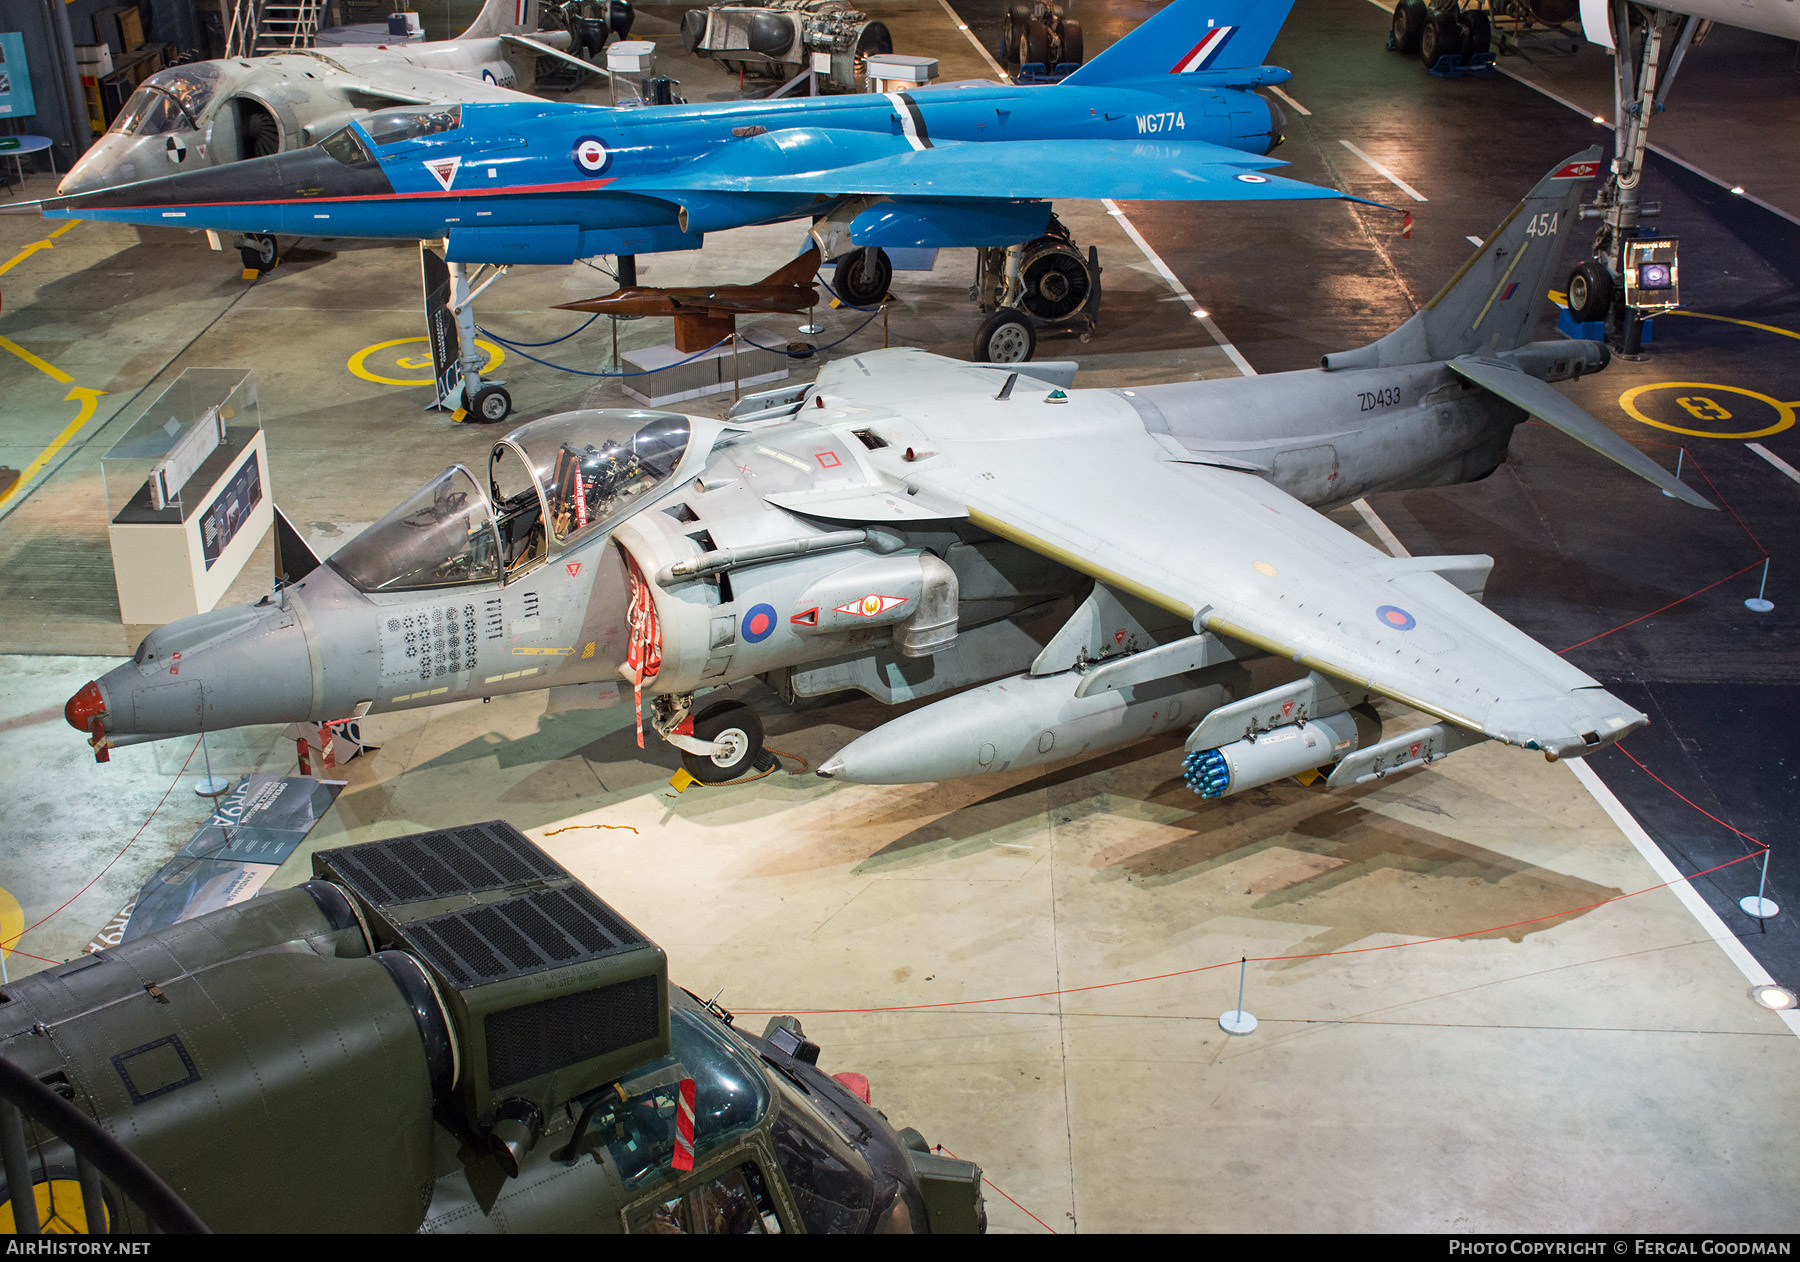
(1409, 25)
(490, 406)
(734, 726)
(1442, 37)
(1006, 337)
(1590, 292)
(259, 253)
(862, 278)
(1480, 33)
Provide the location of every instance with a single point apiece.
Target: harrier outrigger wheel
(734, 727)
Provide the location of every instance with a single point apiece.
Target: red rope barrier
(103, 871)
(990, 1183)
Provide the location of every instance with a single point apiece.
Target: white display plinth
(176, 549)
(669, 380)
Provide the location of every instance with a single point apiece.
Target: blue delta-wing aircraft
(1168, 112)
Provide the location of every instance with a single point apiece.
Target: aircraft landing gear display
(1038, 39)
(450, 328)
(1649, 45)
(1045, 283)
(1451, 37)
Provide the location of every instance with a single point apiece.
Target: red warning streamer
(683, 1159)
(643, 656)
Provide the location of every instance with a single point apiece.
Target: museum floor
(1479, 1007)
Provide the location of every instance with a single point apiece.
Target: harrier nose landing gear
(724, 742)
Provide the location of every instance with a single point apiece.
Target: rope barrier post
(1680, 455)
(736, 389)
(1756, 604)
(1756, 905)
(1237, 1021)
(884, 328)
(212, 786)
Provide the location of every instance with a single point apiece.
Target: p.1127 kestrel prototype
(1113, 563)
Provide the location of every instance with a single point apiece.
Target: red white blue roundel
(591, 155)
(1396, 617)
(759, 623)
(1251, 177)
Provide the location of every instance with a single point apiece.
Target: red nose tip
(83, 706)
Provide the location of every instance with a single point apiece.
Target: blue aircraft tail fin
(1190, 36)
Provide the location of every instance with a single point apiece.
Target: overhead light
(1773, 996)
(1600, 119)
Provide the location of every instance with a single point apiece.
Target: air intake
(550, 990)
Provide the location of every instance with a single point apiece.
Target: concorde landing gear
(1632, 275)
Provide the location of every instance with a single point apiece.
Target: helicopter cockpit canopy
(592, 467)
(169, 101)
(442, 536)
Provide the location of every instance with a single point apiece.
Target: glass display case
(187, 494)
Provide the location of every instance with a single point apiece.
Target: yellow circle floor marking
(12, 922)
(356, 364)
(1701, 405)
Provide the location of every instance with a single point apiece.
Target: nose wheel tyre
(259, 253)
(490, 406)
(1006, 338)
(735, 728)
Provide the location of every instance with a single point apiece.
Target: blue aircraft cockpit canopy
(169, 101)
(592, 467)
(442, 536)
(391, 127)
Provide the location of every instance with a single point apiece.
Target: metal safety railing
(98, 1156)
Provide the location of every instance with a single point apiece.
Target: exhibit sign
(15, 77)
(440, 324)
(251, 831)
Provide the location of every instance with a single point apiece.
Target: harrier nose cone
(83, 706)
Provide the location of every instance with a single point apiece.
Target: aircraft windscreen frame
(730, 1094)
(179, 94)
(347, 148)
(391, 127)
(442, 535)
(593, 467)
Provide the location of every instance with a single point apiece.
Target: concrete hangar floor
(1480, 1009)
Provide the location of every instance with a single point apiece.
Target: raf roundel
(759, 623)
(1396, 617)
(591, 155)
(1250, 177)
